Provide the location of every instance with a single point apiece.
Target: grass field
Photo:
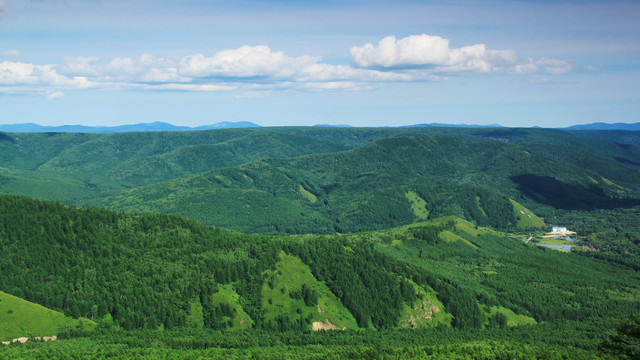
(424, 312)
(19, 317)
(526, 219)
(418, 205)
(289, 277)
(513, 319)
(226, 295)
(448, 236)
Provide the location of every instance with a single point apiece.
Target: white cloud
(551, 66)
(591, 68)
(10, 54)
(79, 66)
(337, 85)
(145, 68)
(228, 69)
(245, 62)
(189, 87)
(420, 50)
(54, 95)
(325, 72)
(258, 69)
(19, 73)
(432, 54)
(12, 73)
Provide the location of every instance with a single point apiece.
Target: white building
(559, 230)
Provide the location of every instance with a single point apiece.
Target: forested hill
(90, 165)
(327, 180)
(389, 182)
(166, 272)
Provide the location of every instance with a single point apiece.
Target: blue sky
(363, 63)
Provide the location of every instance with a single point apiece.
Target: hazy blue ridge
(453, 125)
(153, 126)
(605, 126)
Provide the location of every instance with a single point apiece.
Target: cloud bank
(253, 69)
(433, 53)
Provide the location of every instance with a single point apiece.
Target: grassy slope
(465, 241)
(426, 311)
(19, 317)
(449, 236)
(418, 205)
(226, 295)
(513, 319)
(526, 218)
(290, 274)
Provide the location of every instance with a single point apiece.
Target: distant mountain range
(332, 126)
(453, 125)
(163, 126)
(605, 126)
(154, 126)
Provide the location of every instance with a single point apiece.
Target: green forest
(319, 243)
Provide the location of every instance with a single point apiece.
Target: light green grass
(480, 206)
(526, 219)
(290, 274)
(195, 319)
(448, 236)
(469, 228)
(513, 319)
(464, 226)
(426, 311)
(418, 205)
(552, 241)
(226, 295)
(19, 317)
(307, 194)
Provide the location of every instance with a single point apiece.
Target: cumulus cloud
(253, 67)
(259, 69)
(246, 61)
(145, 68)
(433, 54)
(19, 73)
(415, 50)
(10, 54)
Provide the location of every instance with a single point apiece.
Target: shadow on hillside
(560, 195)
(626, 161)
(5, 137)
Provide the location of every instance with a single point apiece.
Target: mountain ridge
(140, 127)
(606, 126)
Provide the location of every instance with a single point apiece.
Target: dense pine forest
(320, 243)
